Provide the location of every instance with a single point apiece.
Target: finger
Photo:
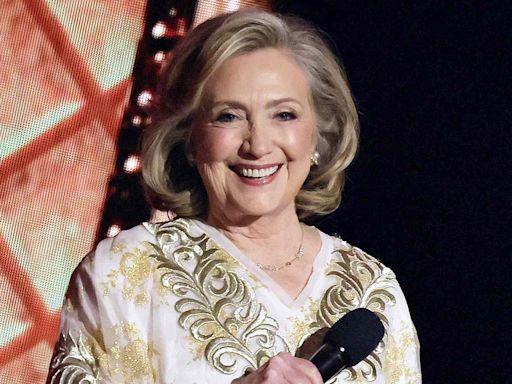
(308, 369)
(296, 370)
(268, 373)
(273, 374)
(273, 370)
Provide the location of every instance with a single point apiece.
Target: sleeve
(106, 331)
(79, 354)
(401, 354)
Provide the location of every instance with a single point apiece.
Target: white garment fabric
(177, 302)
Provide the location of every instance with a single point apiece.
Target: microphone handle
(330, 359)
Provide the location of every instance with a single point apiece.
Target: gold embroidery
(131, 356)
(301, 327)
(75, 360)
(361, 282)
(300, 330)
(135, 267)
(126, 330)
(196, 347)
(119, 246)
(395, 363)
(218, 308)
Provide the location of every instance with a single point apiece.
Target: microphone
(347, 342)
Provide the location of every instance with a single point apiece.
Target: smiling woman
(256, 129)
(253, 146)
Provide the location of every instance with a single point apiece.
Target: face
(253, 145)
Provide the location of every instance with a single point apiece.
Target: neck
(276, 230)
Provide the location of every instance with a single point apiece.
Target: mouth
(253, 174)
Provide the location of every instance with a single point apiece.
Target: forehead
(271, 72)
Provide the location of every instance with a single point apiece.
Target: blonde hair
(171, 183)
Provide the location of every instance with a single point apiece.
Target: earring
(315, 158)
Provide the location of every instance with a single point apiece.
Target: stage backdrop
(65, 71)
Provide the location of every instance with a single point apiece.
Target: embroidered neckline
(279, 293)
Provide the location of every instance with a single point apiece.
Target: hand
(283, 369)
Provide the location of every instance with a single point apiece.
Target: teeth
(247, 172)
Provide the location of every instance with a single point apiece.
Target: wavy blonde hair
(171, 183)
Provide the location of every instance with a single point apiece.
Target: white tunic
(177, 302)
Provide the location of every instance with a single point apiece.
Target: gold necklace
(298, 256)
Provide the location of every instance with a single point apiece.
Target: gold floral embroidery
(196, 347)
(119, 246)
(76, 360)
(130, 356)
(362, 281)
(216, 306)
(301, 327)
(395, 363)
(135, 268)
(300, 330)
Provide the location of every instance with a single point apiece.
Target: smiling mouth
(255, 173)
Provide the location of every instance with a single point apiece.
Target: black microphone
(347, 342)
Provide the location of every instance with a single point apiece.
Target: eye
(285, 116)
(226, 117)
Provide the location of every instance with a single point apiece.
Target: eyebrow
(231, 103)
(275, 102)
(270, 104)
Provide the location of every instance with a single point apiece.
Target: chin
(255, 210)
(258, 208)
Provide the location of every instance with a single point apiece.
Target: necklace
(298, 255)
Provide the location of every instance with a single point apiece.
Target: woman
(256, 128)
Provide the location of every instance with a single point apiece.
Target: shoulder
(353, 257)
(128, 238)
(130, 251)
(368, 279)
(110, 250)
(361, 280)
(121, 266)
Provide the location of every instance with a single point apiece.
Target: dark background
(429, 193)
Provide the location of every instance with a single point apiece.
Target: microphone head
(358, 332)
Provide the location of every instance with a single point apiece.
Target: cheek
(213, 144)
(300, 141)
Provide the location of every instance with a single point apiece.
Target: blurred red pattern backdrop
(65, 71)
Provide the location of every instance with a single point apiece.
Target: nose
(258, 141)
